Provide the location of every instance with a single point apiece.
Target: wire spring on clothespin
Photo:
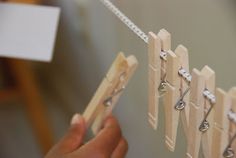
(162, 86)
(229, 152)
(180, 104)
(108, 101)
(209, 96)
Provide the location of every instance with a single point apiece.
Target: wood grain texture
(221, 124)
(182, 53)
(166, 39)
(154, 78)
(175, 87)
(170, 98)
(232, 129)
(209, 76)
(196, 114)
(117, 77)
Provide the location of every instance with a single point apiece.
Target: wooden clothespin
(176, 99)
(230, 143)
(202, 100)
(165, 37)
(109, 91)
(221, 124)
(158, 45)
(154, 78)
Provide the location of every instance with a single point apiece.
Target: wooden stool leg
(35, 109)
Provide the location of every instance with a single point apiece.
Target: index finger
(108, 138)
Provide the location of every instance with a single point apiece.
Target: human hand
(108, 143)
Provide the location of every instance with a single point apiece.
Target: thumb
(74, 136)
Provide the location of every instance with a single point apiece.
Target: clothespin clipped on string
(228, 145)
(221, 125)
(202, 101)
(176, 99)
(109, 91)
(157, 47)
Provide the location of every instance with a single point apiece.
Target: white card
(28, 31)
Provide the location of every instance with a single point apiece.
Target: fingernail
(76, 119)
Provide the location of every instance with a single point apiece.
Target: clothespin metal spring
(211, 97)
(108, 101)
(163, 55)
(180, 104)
(229, 152)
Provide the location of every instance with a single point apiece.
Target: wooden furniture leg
(27, 86)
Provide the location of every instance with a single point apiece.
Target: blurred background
(89, 39)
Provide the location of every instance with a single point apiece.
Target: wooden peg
(157, 72)
(196, 114)
(170, 98)
(165, 37)
(232, 128)
(182, 54)
(209, 76)
(109, 90)
(154, 78)
(221, 124)
(176, 85)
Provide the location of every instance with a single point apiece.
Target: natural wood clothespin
(109, 91)
(221, 124)
(230, 135)
(165, 37)
(158, 45)
(202, 100)
(176, 99)
(154, 78)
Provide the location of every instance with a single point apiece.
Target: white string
(125, 20)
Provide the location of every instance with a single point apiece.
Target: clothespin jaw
(176, 97)
(170, 98)
(232, 130)
(209, 76)
(109, 91)
(221, 124)
(157, 47)
(154, 78)
(202, 100)
(165, 37)
(184, 79)
(196, 114)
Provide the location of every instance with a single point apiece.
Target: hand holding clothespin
(109, 91)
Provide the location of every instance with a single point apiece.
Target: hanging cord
(125, 20)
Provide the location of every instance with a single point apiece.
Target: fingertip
(77, 119)
(121, 150)
(111, 120)
(125, 145)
